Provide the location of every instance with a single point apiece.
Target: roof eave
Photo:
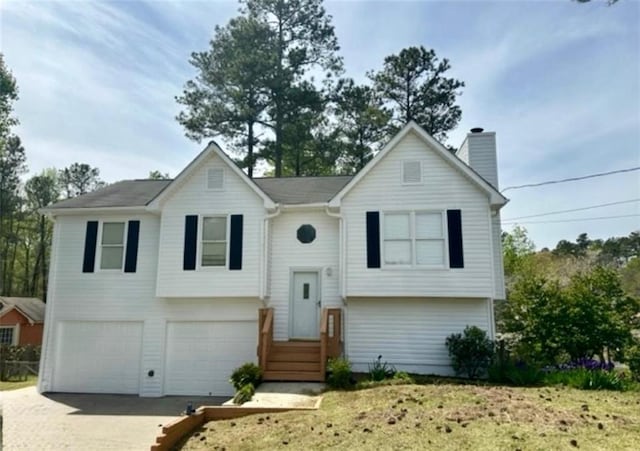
(71, 211)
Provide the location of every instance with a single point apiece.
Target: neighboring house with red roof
(163, 287)
(21, 321)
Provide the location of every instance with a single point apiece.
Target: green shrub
(244, 394)
(249, 373)
(403, 376)
(379, 370)
(471, 352)
(339, 370)
(584, 379)
(632, 357)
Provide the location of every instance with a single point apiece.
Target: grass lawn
(441, 416)
(5, 385)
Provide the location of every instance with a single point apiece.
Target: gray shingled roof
(32, 307)
(302, 190)
(138, 193)
(128, 193)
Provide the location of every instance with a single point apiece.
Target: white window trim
(206, 181)
(14, 334)
(125, 237)
(412, 231)
(200, 241)
(402, 182)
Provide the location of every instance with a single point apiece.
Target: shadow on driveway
(99, 404)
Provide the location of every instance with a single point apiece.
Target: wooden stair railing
(299, 360)
(331, 333)
(265, 336)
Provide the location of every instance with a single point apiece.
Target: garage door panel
(98, 357)
(200, 356)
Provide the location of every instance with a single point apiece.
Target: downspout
(341, 255)
(265, 253)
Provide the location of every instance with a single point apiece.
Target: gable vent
(411, 172)
(215, 178)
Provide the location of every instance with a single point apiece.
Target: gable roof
(144, 193)
(31, 308)
(127, 193)
(495, 197)
(302, 190)
(214, 149)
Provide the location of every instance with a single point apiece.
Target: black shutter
(454, 226)
(190, 242)
(131, 255)
(235, 243)
(90, 240)
(373, 239)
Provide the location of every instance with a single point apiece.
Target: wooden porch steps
(298, 360)
(294, 361)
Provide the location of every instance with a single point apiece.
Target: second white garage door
(201, 355)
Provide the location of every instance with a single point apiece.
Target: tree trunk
(43, 241)
(279, 97)
(250, 149)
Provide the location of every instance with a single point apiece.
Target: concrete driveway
(59, 421)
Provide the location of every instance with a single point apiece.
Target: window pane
(111, 257)
(113, 233)
(396, 226)
(428, 225)
(214, 229)
(6, 335)
(397, 252)
(214, 254)
(430, 252)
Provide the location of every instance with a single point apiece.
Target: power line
(574, 209)
(572, 220)
(571, 179)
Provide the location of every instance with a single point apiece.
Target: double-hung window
(6, 335)
(414, 239)
(214, 241)
(112, 245)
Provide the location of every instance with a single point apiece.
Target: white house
(163, 287)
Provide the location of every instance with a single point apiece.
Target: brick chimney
(479, 151)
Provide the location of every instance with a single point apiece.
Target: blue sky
(558, 81)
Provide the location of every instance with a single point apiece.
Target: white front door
(305, 306)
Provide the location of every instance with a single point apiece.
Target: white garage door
(98, 357)
(201, 355)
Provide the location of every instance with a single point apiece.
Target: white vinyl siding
(414, 239)
(498, 264)
(444, 188)
(109, 297)
(112, 245)
(409, 333)
(190, 199)
(214, 241)
(288, 253)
